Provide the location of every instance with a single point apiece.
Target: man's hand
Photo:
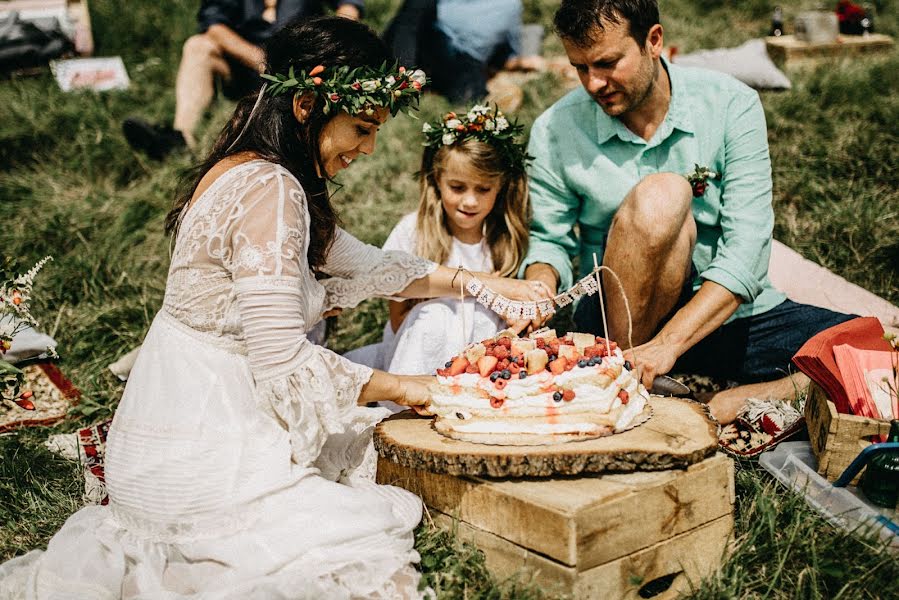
(523, 291)
(547, 275)
(651, 359)
(709, 308)
(348, 11)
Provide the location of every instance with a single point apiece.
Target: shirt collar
(678, 116)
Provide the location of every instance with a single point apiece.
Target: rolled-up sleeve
(555, 210)
(740, 262)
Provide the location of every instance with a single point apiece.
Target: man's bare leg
(725, 404)
(201, 61)
(650, 247)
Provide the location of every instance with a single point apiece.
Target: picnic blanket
(53, 395)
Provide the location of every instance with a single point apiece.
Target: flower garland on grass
(15, 315)
(482, 123)
(355, 91)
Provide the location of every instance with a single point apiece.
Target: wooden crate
(836, 438)
(592, 536)
(786, 50)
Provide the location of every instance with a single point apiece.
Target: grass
(70, 187)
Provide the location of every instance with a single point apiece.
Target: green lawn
(71, 187)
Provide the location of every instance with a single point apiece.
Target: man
(227, 46)
(611, 160)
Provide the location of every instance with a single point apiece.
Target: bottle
(777, 22)
(880, 481)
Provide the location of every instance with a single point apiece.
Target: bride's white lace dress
(239, 464)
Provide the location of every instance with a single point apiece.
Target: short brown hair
(577, 20)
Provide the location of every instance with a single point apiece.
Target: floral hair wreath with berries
(483, 123)
(354, 90)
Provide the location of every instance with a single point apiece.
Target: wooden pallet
(837, 438)
(594, 536)
(787, 51)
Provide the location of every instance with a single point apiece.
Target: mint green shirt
(586, 162)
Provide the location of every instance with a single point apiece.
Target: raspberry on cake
(537, 390)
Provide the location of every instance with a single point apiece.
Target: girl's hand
(415, 393)
(523, 291)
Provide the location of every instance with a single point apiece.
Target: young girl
(473, 213)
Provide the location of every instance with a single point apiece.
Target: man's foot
(157, 141)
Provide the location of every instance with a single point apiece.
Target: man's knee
(200, 47)
(658, 209)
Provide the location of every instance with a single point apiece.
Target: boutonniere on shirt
(699, 179)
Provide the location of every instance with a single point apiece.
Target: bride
(239, 462)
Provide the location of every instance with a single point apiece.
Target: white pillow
(749, 63)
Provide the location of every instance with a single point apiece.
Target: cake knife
(663, 385)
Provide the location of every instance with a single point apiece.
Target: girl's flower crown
(358, 90)
(482, 123)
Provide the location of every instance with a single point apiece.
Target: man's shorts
(747, 350)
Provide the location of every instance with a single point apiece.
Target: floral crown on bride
(353, 90)
(482, 123)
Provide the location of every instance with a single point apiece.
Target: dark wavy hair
(578, 20)
(275, 135)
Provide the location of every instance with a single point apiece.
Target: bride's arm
(405, 390)
(361, 271)
(445, 281)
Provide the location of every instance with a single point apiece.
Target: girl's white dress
(436, 330)
(238, 463)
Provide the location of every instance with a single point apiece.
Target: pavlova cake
(540, 390)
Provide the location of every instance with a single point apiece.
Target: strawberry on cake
(539, 390)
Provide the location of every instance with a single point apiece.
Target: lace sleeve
(311, 391)
(361, 271)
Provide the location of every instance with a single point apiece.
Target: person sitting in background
(228, 46)
(458, 42)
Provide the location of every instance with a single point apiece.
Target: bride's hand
(521, 290)
(415, 393)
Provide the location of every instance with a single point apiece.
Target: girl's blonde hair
(505, 228)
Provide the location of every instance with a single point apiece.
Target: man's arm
(709, 308)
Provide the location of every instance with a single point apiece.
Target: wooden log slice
(680, 433)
